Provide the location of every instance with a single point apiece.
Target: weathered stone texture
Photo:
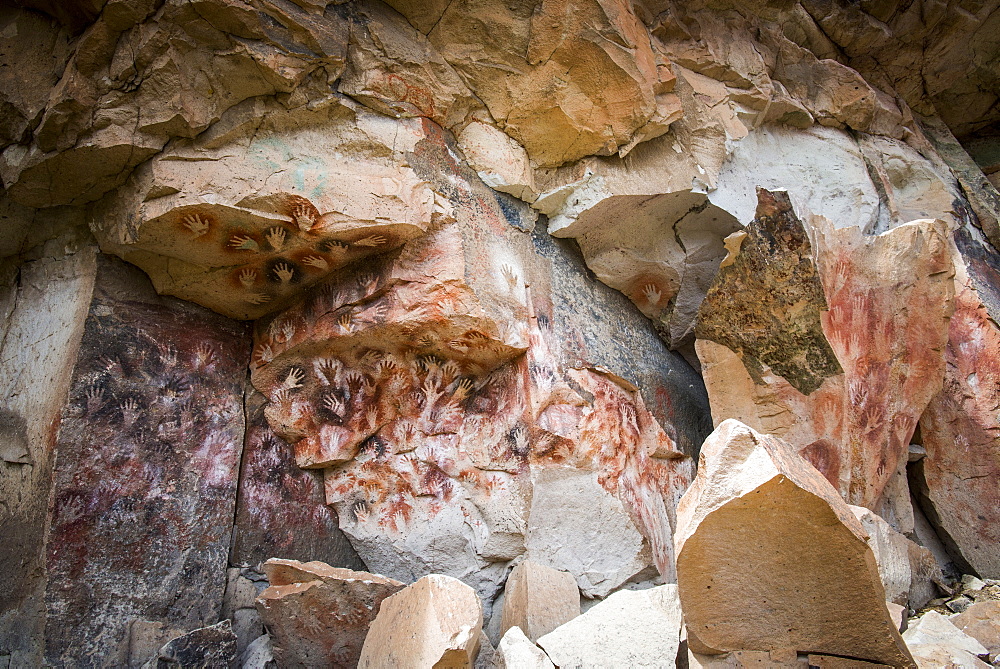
(318, 615)
(146, 469)
(814, 585)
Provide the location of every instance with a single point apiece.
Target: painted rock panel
(146, 469)
(432, 383)
(961, 428)
(281, 508)
(888, 300)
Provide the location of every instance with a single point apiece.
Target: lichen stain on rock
(766, 304)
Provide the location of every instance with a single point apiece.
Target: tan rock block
(319, 615)
(814, 580)
(630, 628)
(538, 599)
(436, 622)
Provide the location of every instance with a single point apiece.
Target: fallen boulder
(770, 557)
(631, 628)
(435, 622)
(318, 614)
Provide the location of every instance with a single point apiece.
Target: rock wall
(447, 287)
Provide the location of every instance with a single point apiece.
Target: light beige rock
(516, 651)
(392, 68)
(628, 629)
(935, 642)
(755, 501)
(538, 599)
(981, 621)
(501, 162)
(319, 615)
(576, 525)
(436, 622)
(908, 571)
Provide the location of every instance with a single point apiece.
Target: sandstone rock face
(281, 509)
(435, 399)
(434, 622)
(318, 615)
(491, 252)
(538, 599)
(44, 315)
(961, 428)
(813, 566)
(854, 425)
(629, 628)
(152, 430)
(517, 650)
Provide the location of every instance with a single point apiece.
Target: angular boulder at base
(319, 615)
(631, 628)
(517, 652)
(770, 557)
(436, 622)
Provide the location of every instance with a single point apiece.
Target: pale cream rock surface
(538, 599)
(516, 651)
(908, 570)
(501, 162)
(935, 642)
(631, 628)
(318, 614)
(436, 621)
(755, 501)
(577, 526)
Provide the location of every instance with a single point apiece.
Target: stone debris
(435, 622)
(981, 621)
(318, 615)
(935, 642)
(630, 628)
(538, 599)
(756, 502)
(516, 651)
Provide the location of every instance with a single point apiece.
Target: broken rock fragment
(436, 622)
(770, 557)
(936, 642)
(319, 615)
(539, 599)
(517, 652)
(631, 628)
(213, 646)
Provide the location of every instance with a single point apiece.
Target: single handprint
(275, 237)
(196, 224)
(243, 243)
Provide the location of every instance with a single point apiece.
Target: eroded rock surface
(538, 599)
(755, 501)
(318, 615)
(436, 621)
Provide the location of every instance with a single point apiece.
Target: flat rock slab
(631, 628)
(436, 622)
(770, 557)
(211, 647)
(936, 642)
(319, 615)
